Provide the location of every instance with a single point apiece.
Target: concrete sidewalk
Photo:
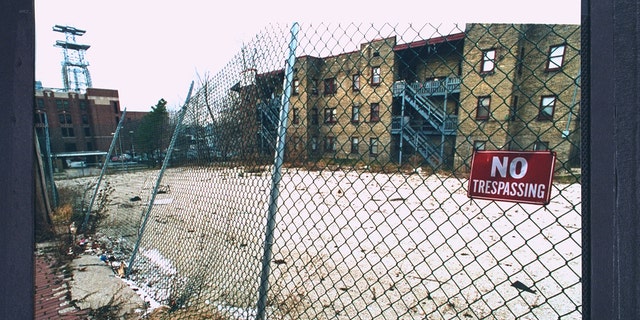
(96, 286)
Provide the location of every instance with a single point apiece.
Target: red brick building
(82, 122)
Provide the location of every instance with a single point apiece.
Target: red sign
(516, 176)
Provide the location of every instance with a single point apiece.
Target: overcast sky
(149, 50)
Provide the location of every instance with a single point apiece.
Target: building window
(375, 76)
(330, 144)
(484, 104)
(355, 113)
(520, 62)
(70, 147)
(314, 143)
(314, 86)
(85, 119)
(87, 132)
(82, 104)
(117, 121)
(59, 104)
(330, 115)
(115, 106)
(67, 132)
(40, 103)
(40, 118)
(356, 82)
(296, 116)
(373, 146)
(374, 116)
(330, 86)
(479, 145)
(314, 115)
(296, 86)
(541, 146)
(488, 61)
(89, 146)
(513, 111)
(65, 118)
(556, 57)
(354, 145)
(547, 106)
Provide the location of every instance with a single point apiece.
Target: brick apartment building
(495, 86)
(82, 122)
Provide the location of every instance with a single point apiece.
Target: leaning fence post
(166, 160)
(47, 144)
(104, 168)
(276, 177)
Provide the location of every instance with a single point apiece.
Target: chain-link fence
(323, 173)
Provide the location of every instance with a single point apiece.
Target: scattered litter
(522, 286)
(164, 189)
(136, 198)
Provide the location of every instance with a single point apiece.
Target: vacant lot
(347, 244)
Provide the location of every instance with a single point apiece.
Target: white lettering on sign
(505, 188)
(501, 167)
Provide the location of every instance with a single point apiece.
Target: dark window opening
(374, 116)
(354, 145)
(373, 146)
(330, 86)
(330, 115)
(547, 106)
(296, 116)
(375, 76)
(314, 115)
(330, 144)
(484, 108)
(355, 114)
(356, 82)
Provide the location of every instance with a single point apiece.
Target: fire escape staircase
(268, 113)
(416, 96)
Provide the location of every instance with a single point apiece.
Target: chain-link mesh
(371, 214)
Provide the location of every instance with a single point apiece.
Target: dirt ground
(347, 244)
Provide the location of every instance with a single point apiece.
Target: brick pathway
(52, 297)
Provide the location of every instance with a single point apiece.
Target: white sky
(151, 49)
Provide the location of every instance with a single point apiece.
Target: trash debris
(164, 189)
(523, 287)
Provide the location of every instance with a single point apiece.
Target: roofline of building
(432, 41)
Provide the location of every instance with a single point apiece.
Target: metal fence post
(104, 168)
(276, 177)
(167, 158)
(47, 144)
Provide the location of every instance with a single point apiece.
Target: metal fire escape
(268, 111)
(437, 123)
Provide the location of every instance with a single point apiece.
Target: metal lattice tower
(75, 72)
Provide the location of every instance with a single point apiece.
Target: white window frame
(488, 61)
(556, 57)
